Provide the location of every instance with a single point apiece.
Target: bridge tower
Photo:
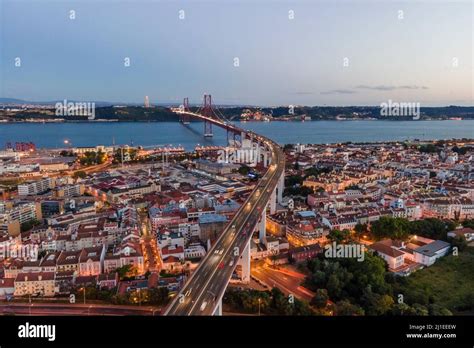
(207, 112)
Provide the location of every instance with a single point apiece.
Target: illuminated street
(286, 280)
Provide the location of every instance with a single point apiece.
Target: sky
(265, 52)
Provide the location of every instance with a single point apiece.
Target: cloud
(339, 91)
(390, 88)
(303, 93)
(412, 87)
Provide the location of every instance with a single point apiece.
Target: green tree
(320, 299)
(467, 223)
(459, 242)
(301, 308)
(158, 296)
(298, 191)
(428, 148)
(345, 308)
(65, 153)
(315, 172)
(244, 170)
(128, 154)
(437, 310)
(79, 174)
(461, 150)
(280, 302)
(28, 225)
(402, 309)
(430, 228)
(338, 236)
(124, 271)
(293, 180)
(100, 157)
(389, 227)
(334, 286)
(420, 309)
(376, 304)
(360, 230)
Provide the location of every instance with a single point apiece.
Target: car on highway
(231, 263)
(221, 265)
(203, 306)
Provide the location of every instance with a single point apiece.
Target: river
(52, 135)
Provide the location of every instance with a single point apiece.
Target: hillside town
(133, 221)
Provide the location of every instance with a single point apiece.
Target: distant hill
(124, 113)
(352, 112)
(98, 103)
(13, 101)
(163, 113)
(136, 113)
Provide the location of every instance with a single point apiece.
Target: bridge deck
(203, 290)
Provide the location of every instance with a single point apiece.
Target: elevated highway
(203, 291)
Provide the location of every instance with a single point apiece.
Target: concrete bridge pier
(281, 187)
(262, 227)
(272, 202)
(244, 262)
(208, 129)
(218, 310)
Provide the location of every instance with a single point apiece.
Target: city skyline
(300, 53)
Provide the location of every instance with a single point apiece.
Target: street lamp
(259, 300)
(84, 293)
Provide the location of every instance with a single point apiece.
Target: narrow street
(149, 245)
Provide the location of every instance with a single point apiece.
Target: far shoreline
(55, 121)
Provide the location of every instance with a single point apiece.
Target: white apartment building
(21, 213)
(35, 187)
(194, 251)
